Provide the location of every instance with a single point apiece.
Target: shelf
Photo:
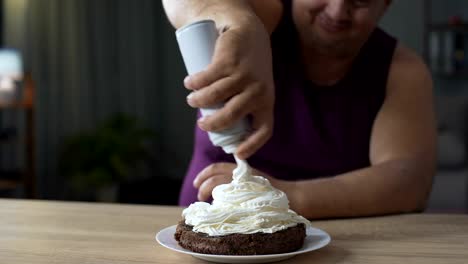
(451, 76)
(23, 177)
(11, 175)
(6, 134)
(10, 179)
(8, 185)
(26, 101)
(21, 105)
(459, 28)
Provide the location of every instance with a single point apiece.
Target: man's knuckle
(215, 166)
(210, 183)
(196, 81)
(213, 125)
(204, 194)
(229, 115)
(228, 63)
(194, 101)
(215, 95)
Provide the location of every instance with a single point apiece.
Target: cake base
(283, 241)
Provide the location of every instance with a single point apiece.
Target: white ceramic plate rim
(315, 239)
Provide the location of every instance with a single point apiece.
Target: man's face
(338, 26)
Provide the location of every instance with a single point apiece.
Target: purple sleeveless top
(318, 131)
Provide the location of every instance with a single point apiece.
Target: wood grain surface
(83, 233)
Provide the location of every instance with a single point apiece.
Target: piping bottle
(197, 43)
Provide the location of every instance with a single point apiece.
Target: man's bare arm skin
(402, 155)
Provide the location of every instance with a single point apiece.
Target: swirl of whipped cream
(247, 205)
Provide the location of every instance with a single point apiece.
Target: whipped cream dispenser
(197, 44)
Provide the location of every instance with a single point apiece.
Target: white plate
(315, 239)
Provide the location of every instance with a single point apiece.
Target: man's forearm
(391, 187)
(182, 12)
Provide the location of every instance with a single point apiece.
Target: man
(354, 130)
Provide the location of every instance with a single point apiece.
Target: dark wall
(93, 58)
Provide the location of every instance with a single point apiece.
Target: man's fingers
(202, 176)
(236, 108)
(261, 134)
(206, 188)
(211, 74)
(213, 169)
(222, 65)
(253, 142)
(216, 93)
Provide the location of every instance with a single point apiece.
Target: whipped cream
(247, 205)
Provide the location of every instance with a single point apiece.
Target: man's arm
(182, 12)
(241, 74)
(402, 155)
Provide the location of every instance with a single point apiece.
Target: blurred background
(92, 105)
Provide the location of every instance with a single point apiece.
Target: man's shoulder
(407, 60)
(407, 67)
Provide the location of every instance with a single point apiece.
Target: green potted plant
(98, 159)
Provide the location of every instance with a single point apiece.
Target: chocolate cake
(283, 241)
(247, 217)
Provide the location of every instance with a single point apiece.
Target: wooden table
(61, 232)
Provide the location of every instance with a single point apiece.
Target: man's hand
(216, 174)
(240, 76)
